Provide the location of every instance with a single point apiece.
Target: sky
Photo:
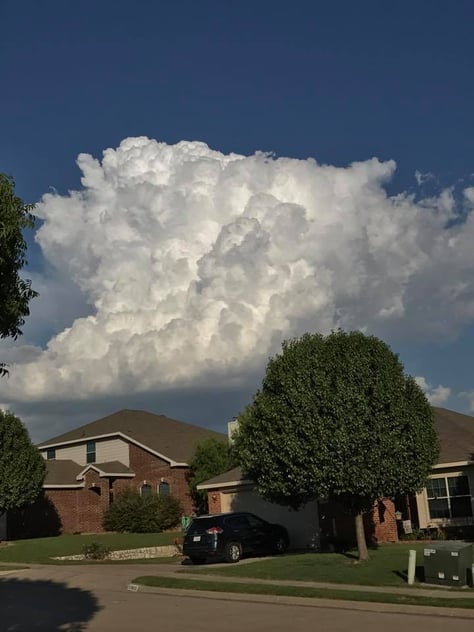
(213, 178)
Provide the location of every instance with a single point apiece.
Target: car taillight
(214, 530)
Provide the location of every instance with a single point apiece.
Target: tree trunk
(360, 534)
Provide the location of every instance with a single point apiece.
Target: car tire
(197, 560)
(280, 545)
(233, 552)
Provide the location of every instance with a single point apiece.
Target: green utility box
(448, 563)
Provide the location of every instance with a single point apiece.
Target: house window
(164, 488)
(50, 453)
(90, 452)
(449, 497)
(145, 490)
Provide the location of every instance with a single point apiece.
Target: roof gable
(172, 439)
(111, 468)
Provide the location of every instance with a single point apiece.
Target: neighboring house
(233, 492)
(446, 502)
(88, 466)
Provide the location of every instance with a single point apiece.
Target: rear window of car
(200, 525)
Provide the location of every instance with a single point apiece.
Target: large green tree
(15, 292)
(212, 457)
(22, 468)
(337, 418)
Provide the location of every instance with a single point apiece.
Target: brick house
(88, 466)
(447, 501)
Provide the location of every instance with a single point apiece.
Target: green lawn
(304, 591)
(41, 550)
(387, 566)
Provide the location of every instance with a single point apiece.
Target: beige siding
(106, 450)
(422, 506)
(112, 450)
(302, 525)
(76, 453)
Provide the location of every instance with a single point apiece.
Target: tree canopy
(22, 468)
(15, 292)
(337, 418)
(212, 457)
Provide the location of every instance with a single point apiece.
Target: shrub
(133, 513)
(169, 512)
(425, 534)
(95, 551)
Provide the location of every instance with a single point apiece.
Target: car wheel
(233, 552)
(197, 560)
(280, 545)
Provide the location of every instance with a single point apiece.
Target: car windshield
(200, 525)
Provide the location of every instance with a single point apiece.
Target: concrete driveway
(95, 599)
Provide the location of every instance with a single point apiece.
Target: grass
(387, 566)
(12, 567)
(304, 591)
(41, 550)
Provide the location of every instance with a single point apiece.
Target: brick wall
(214, 501)
(384, 521)
(82, 509)
(150, 468)
(338, 526)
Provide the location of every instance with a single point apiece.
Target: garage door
(302, 525)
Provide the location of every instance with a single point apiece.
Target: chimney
(232, 427)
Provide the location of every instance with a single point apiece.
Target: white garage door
(302, 525)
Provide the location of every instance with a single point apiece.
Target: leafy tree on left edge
(15, 292)
(22, 468)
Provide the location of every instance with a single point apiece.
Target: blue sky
(339, 82)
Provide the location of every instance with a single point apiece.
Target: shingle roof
(232, 476)
(173, 439)
(62, 472)
(111, 467)
(456, 435)
(455, 431)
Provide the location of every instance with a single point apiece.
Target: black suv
(229, 536)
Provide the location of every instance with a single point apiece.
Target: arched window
(164, 488)
(145, 490)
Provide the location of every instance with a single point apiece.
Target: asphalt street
(97, 599)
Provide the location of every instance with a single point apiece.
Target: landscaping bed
(42, 550)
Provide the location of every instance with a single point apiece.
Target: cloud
(421, 177)
(469, 395)
(436, 395)
(195, 265)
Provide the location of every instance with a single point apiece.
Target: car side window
(237, 522)
(255, 522)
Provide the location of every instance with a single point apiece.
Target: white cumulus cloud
(469, 395)
(197, 264)
(436, 395)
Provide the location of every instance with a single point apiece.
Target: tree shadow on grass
(44, 606)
